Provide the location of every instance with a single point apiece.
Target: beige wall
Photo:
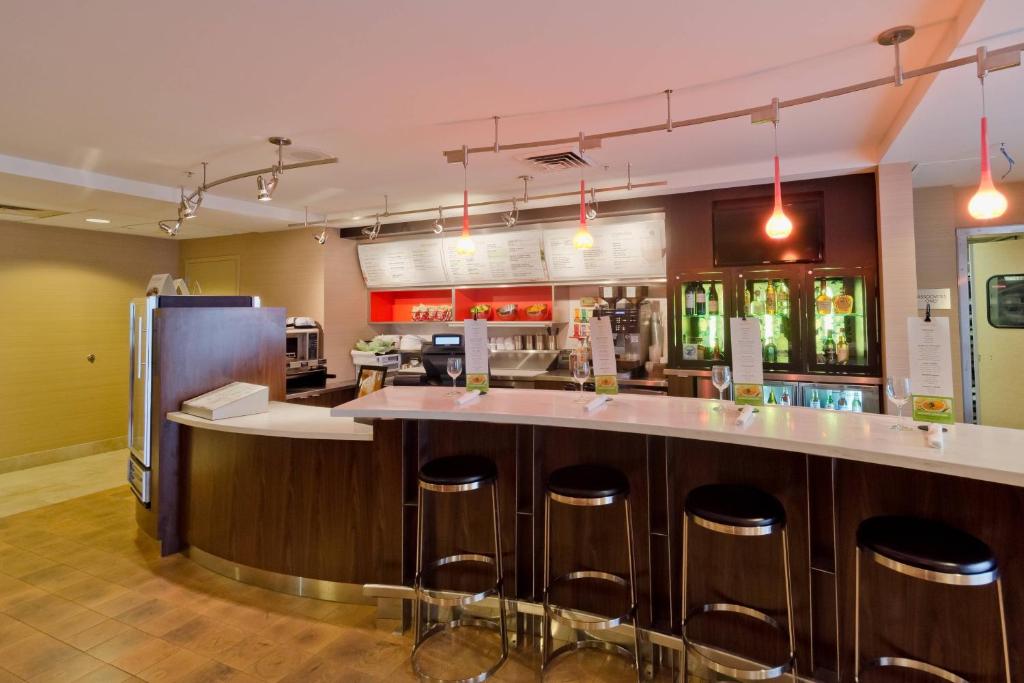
(64, 295)
(290, 269)
(284, 268)
(938, 212)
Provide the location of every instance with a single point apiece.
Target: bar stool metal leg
(856, 616)
(1002, 627)
(789, 598)
(499, 571)
(418, 577)
(686, 565)
(633, 599)
(545, 643)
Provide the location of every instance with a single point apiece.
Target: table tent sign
(602, 349)
(477, 356)
(747, 367)
(931, 369)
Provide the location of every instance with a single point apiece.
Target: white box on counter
(232, 400)
(370, 359)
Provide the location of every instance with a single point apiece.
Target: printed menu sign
(931, 369)
(477, 355)
(747, 368)
(602, 349)
(400, 263)
(499, 257)
(622, 249)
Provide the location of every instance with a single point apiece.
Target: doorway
(991, 293)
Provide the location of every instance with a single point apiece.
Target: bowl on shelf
(507, 312)
(537, 312)
(481, 312)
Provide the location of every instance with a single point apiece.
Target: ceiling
(109, 104)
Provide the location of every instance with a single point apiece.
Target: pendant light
(778, 226)
(464, 246)
(988, 202)
(583, 239)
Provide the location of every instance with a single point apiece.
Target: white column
(897, 264)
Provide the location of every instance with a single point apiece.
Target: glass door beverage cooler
(856, 398)
(842, 328)
(772, 297)
(700, 319)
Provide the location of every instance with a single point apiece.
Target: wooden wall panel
(312, 508)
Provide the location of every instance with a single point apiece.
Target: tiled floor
(38, 486)
(84, 597)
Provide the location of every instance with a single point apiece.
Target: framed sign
(369, 378)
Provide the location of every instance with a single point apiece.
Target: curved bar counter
(300, 494)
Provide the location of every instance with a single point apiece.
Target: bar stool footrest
(570, 617)
(462, 622)
(915, 665)
(710, 657)
(591, 644)
(444, 598)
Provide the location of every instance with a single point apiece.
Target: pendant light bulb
(778, 226)
(583, 239)
(988, 202)
(464, 246)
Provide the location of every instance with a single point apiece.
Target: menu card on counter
(478, 356)
(499, 257)
(625, 249)
(402, 263)
(602, 351)
(931, 370)
(231, 400)
(747, 364)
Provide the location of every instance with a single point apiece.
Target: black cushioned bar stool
(738, 511)
(588, 486)
(457, 474)
(930, 551)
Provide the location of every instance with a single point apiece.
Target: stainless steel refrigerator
(142, 405)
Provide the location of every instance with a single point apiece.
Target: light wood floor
(35, 487)
(85, 597)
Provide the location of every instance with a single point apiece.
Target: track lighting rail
(993, 60)
(518, 200)
(269, 169)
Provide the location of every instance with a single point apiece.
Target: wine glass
(454, 370)
(721, 377)
(898, 391)
(581, 371)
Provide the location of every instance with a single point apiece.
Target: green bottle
(815, 401)
(830, 404)
(771, 398)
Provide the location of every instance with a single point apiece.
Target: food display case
(841, 326)
(699, 319)
(772, 297)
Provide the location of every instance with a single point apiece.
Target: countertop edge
(302, 419)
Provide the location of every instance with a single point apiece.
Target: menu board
(622, 249)
(499, 257)
(602, 348)
(747, 368)
(931, 369)
(401, 263)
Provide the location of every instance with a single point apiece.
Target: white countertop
(986, 453)
(287, 420)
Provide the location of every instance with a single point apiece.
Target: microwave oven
(303, 344)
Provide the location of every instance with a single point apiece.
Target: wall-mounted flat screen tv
(740, 240)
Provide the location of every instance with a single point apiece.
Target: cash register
(435, 357)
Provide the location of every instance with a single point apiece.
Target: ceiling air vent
(25, 213)
(558, 161)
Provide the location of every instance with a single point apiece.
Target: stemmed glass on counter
(580, 372)
(898, 391)
(721, 377)
(454, 370)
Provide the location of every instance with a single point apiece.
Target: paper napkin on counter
(597, 402)
(934, 436)
(745, 416)
(467, 397)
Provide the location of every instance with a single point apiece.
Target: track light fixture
(592, 206)
(439, 223)
(265, 188)
(170, 227)
(189, 205)
(371, 232)
(512, 217)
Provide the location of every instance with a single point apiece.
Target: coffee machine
(630, 314)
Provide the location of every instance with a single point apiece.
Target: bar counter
(296, 509)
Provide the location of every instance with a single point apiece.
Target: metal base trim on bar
(320, 589)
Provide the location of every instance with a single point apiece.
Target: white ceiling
(107, 104)
(942, 135)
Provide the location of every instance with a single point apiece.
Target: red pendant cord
(465, 213)
(986, 170)
(778, 186)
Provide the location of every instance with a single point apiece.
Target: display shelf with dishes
(411, 306)
(842, 323)
(532, 303)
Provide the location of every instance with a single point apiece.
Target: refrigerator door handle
(138, 349)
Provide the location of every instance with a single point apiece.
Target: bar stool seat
(735, 505)
(588, 481)
(926, 544)
(459, 470)
(927, 550)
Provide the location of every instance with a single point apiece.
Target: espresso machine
(630, 314)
